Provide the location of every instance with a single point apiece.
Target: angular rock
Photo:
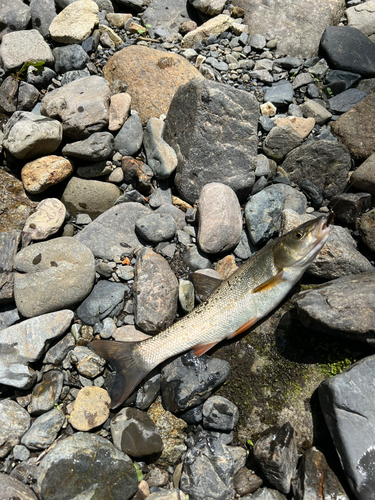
(280, 141)
(13, 488)
(119, 109)
(189, 380)
(339, 256)
(113, 234)
(52, 275)
(27, 135)
(220, 219)
(219, 414)
(214, 26)
(15, 206)
(8, 316)
(161, 158)
(97, 147)
(19, 47)
(347, 207)
(303, 126)
(325, 163)
(14, 16)
(344, 101)
(15, 422)
(367, 229)
(312, 109)
(155, 291)
(280, 94)
(9, 242)
(211, 120)
(105, 470)
(82, 105)
(91, 408)
(69, 58)
(134, 433)
(46, 394)
(364, 176)
(44, 430)
(245, 481)
(347, 401)
(82, 196)
(348, 49)
(38, 175)
(354, 128)
(129, 139)
(151, 77)
(33, 335)
(17, 96)
(276, 452)
(88, 364)
(209, 7)
(75, 22)
(57, 353)
(343, 307)
(106, 299)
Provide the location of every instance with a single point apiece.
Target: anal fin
(244, 327)
(271, 283)
(198, 350)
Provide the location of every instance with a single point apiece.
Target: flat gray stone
(113, 234)
(106, 299)
(161, 158)
(52, 275)
(155, 292)
(27, 135)
(82, 106)
(200, 127)
(15, 421)
(33, 335)
(97, 147)
(128, 140)
(44, 430)
(156, 227)
(220, 218)
(42, 14)
(348, 404)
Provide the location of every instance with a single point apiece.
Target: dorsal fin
(204, 285)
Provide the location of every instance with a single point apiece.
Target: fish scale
(248, 295)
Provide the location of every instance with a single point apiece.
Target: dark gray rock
(342, 102)
(325, 163)
(147, 393)
(103, 472)
(189, 380)
(348, 49)
(97, 147)
(134, 433)
(208, 120)
(15, 421)
(44, 430)
(246, 481)
(156, 227)
(280, 141)
(344, 307)
(312, 192)
(8, 316)
(72, 76)
(162, 195)
(56, 354)
(112, 234)
(276, 452)
(131, 196)
(176, 213)
(280, 94)
(194, 259)
(337, 75)
(208, 471)
(52, 275)
(245, 248)
(69, 57)
(33, 336)
(347, 207)
(43, 13)
(219, 414)
(17, 96)
(46, 394)
(129, 138)
(40, 77)
(15, 489)
(106, 299)
(194, 416)
(315, 479)
(155, 292)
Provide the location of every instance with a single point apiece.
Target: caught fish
(234, 305)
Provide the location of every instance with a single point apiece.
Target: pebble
(186, 295)
(91, 408)
(47, 393)
(15, 422)
(46, 220)
(43, 430)
(161, 158)
(219, 414)
(119, 109)
(155, 228)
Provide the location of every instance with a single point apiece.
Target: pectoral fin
(198, 350)
(244, 327)
(271, 283)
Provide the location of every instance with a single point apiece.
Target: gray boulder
(213, 129)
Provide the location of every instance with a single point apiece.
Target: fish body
(241, 300)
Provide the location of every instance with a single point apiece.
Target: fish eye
(298, 234)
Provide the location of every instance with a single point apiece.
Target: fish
(235, 305)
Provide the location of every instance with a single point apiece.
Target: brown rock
(40, 174)
(226, 266)
(136, 173)
(15, 206)
(364, 176)
(355, 128)
(186, 27)
(118, 20)
(119, 109)
(151, 77)
(91, 408)
(367, 229)
(303, 126)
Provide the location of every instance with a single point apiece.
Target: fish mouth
(323, 229)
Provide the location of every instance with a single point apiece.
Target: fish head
(299, 247)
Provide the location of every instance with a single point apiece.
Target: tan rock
(105, 30)
(40, 174)
(91, 408)
(129, 333)
(303, 126)
(47, 220)
(226, 266)
(214, 26)
(75, 23)
(15, 206)
(119, 109)
(118, 20)
(363, 177)
(268, 109)
(136, 28)
(150, 76)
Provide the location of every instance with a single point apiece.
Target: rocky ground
(143, 141)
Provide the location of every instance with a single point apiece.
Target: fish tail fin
(130, 370)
